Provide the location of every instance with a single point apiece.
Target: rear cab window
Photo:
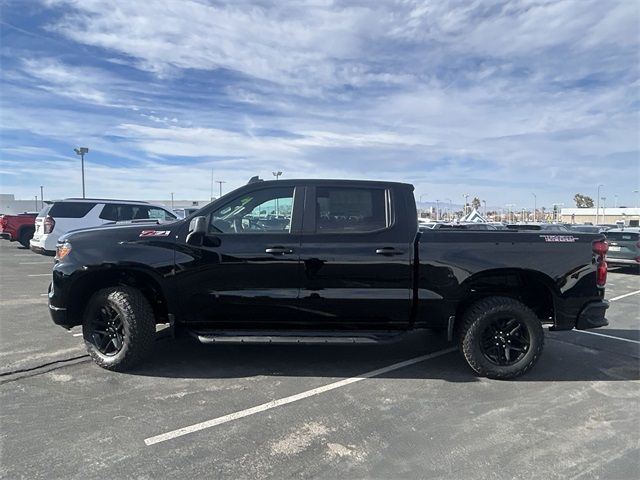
(351, 209)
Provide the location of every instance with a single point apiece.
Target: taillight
(601, 248)
(3, 221)
(49, 224)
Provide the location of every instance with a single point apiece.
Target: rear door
(356, 254)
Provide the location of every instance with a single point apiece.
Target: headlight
(62, 250)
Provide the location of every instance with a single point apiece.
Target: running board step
(297, 336)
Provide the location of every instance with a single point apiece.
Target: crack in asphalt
(33, 371)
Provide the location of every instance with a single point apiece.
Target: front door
(246, 273)
(356, 259)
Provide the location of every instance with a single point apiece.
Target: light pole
(82, 151)
(41, 196)
(466, 197)
(220, 182)
(437, 210)
(604, 207)
(615, 201)
(636, 192)
(510, 205)
(484, 202)
(171, 200)
(598, 204)
(36, 202)
(555, 210)
(277, 175)
(450, 208)
(535, 207)
(211, 194)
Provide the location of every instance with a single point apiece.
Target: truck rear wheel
(25, 235)
(118, 328)
(501, 337)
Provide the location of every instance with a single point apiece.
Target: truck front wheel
(501, 337)
(118, 328)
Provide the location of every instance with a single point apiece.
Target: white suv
(60, 217)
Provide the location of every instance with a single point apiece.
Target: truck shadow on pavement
(186, 358)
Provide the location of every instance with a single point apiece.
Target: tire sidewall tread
(474, 320)
(138, 325)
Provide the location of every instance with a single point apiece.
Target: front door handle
(388, 251)
(278, 250)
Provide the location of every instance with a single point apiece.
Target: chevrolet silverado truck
(325, 261)
(18, 227)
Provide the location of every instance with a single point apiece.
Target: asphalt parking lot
(407, 410)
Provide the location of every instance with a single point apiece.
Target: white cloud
(471, 93)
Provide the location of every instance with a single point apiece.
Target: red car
(18, 227)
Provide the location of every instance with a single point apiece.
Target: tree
(583, 201)
(475, 203)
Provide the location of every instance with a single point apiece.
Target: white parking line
(609, 336)
(40, 275)
(77, 334)
(623, 296)
(44, 294)
(293, 398)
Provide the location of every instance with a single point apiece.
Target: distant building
(606, 215)
(9, 204)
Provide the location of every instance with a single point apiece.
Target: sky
(495, 99)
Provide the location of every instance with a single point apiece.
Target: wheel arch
(90, 282)
(534, 289)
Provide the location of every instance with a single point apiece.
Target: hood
(124, 232)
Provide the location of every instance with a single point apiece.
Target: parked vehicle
(588, 228)
(18, 227)
(624, 246)
(554, 227)
(60, 217)
(349, 265)
(185, 212)
(462, 226)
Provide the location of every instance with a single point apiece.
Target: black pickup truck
(325, 261)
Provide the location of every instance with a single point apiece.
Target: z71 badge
(559, 238)
(155, 233)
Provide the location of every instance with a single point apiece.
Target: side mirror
(197, 229)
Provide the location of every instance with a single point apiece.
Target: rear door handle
(278, 250)
(388, 251)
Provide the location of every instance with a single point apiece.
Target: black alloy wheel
(505, 341)
(107, 332)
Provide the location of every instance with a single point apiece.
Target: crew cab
(326, 261)
(18, 227)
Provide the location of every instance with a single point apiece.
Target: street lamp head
(81, 150)
(276, 174)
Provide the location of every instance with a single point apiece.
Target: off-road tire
(138, 324)
(478, 317)
(25, 235)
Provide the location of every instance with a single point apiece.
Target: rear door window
(70, 209)
(351, 210)
(118, 212)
